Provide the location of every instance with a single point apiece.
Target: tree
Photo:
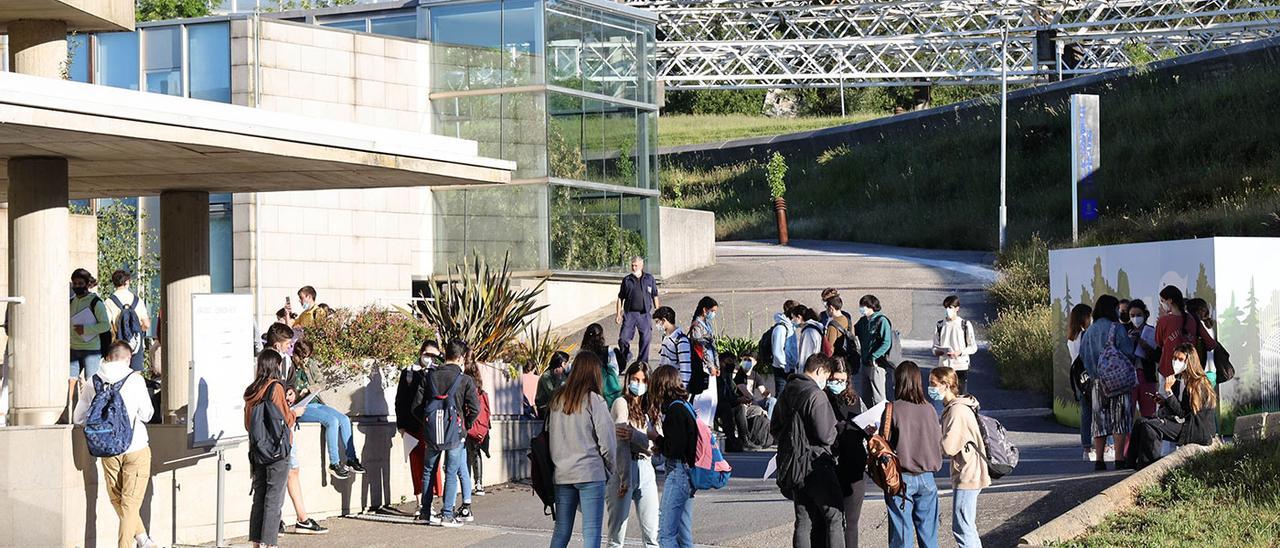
(118, 250)
(158, 10)
(1067, 305)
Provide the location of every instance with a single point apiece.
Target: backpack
(710, 470)
(268, 432)
(1222, 362)
(793, 472)
(480, 429)
(964, 327)
(444, 428)
(764, 349)
(104, 339)
(1000, 453)
(894, 356)
(542, 471)
(108, 430)
(882, 461)
(128, 325)
(1115, 371)
(699, 378)
(846, 346)
(611, 385)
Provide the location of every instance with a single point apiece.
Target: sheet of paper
(870, 417)
(302, 405)
(85, 317)
(770, 468)
(409, 443)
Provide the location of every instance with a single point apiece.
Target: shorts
(87, 361)
(293, 459)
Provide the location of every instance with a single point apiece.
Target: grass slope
(686, 129)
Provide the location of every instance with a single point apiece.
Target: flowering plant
(352, 344)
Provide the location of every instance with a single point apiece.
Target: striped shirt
(675, 352)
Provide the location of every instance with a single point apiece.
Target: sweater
(875, 337)
(674, 352)
(955, 335)
(915, 436)
(100, 314)
(582, 444)
(679, 433)
(134, 393)
(1169, 332)
(275, 390)
(638, 446)
(962, 443)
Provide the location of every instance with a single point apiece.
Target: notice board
(221, 368)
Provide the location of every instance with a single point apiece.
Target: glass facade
(567, 90)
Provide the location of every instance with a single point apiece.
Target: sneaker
(282, 527)
(1110, 455)
(339, 471)
(145, 541)
(355, 466)
(1090, 455)
(309, 527)
(478, 491)
(451, 523)
(433, 520)
(464, 513)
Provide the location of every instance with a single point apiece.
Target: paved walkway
(750, 281)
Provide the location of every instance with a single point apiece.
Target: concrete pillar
(38, 47)
(184, 270)
(39, 330)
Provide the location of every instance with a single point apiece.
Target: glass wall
(486, 45)
(493, 222)
(162, 59)
(598, 231)
(209, 59)
(78, 54)
(401, 23)
(116, 61)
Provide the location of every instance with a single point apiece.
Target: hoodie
(962, 443)
(875, 337)
(251, 398)
(785, 353)
(137, 400)
(808, 341)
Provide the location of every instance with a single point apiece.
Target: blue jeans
(86, 360)
(675, 512)
(964, 518)
(337, 430)
(455, 461)
(917, 515)
(642, 489)
(1086, 420)
(589, 496)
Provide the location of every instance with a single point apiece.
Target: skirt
(1111, 415)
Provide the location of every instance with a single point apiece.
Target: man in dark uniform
(637, 299)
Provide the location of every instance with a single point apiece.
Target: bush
(1022, 344)
(350, 344)
(1024, 275)
(715, 101)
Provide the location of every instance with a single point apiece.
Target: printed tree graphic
(1252, 339)
(1100, 285)
(1122, 285)
(1067, 305)
(1203, 290)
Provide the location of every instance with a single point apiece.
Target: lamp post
(1004, 137)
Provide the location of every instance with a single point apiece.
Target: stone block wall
(688, 239)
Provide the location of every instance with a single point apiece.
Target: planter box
(369, 398)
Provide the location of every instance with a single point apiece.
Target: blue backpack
(108, 431)
(129, 326)
(717, 474)
(444, 428)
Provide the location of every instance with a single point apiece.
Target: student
(1123, 311)
(954, 341)
(839, 328)
(1112, 415)
(752, 382)
(679, 444)
(477, 441)
(751, 417)
(783, 342)
(268, 479)
(120, 300)
(465, 400)
(1078, 321)
(730, 405)
(128, 474)
(304, 525)
(819, 504)
(828, 314)
(915, 436)
(676, 346)
(875, 338)
(635, 480)
(410, 396)
(86, 345)
(703, 339)
(552, 379)
(962, 443)
(307, 300)
(1199, 309)
(593, 341)
(1189, 415)
(1175, 327)
(637, 299)
(1143, 335)
(583, 445)
(850, 449)
(808, 332)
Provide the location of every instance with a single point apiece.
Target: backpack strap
(888, 420)
(116, 301)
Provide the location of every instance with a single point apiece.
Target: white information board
(221, 368)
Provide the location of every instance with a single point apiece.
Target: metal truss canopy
(738, 44)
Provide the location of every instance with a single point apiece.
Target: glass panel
(404, 26)
(565, 137)
(357, 25)
(564, 45)
(524, 134)
(619, 55)
(221, 256)
(466, 46)
(77, 57)
(492, 222)
(522, 42)
(117, 60)
(593, 147)
(652, 152)
(650, 62)
(478, 118)
(163, 59)
(587, 230)
(209, 59)
(620, 144)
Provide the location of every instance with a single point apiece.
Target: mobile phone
(1152, 394)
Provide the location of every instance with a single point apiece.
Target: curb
(1114, 499)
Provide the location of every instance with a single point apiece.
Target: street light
(1004, 138)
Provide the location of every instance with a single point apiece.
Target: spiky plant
(481, 307)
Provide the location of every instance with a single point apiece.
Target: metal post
(1004, 138)
(842, 114)
(222, 479)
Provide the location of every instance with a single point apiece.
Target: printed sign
(1086, 156)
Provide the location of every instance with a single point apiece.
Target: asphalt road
(750, 281)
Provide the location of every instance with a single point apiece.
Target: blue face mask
(747, 364)
(935, 394)
(711, 315)
(836, 387)
(637, 389)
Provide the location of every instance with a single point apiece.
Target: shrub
(735, 346)
(776, 175)
(1024, 275)
(533, 354)
(351, 344)
(481, 307)
(1022, 344)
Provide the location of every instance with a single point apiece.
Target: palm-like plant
(481, 308)
(537, 348)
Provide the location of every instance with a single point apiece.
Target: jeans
(675, 516)
(632, 322)
(455, 465)
(853, 511)
(917, 514)
(127, 477)
(268, 496)
(337, 430)
(1086, 419)
(819, 508)
(85, 360)
(874, 380)
(779, 383)
(642, 490)
(589, 496)
(475, 463)
(964, 518)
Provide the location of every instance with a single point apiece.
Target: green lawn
(685, 129)
(1229, 497)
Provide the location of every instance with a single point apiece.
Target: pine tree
(1122, 285)
(1204, 290)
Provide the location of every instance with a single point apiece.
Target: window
(404, 26)
(358, 25)
(163, 59)
(597, 141)
(209, 61)
(593, 230)
(493, 222)
(522, 42)
(78, 57)
(467, 46)
(221, 270)
(117, 60)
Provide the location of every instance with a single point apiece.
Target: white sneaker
(1089, 455)
(145, 541)
(1110, 455)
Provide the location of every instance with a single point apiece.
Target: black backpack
(846, 346)
(268, 432)
(442, 418)
(793, 472)
(699, 378)
(764, 350)
(542, 470)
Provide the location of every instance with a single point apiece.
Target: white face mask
(864, 310)
(952, 313)
(1179, 366)
(1138, 321)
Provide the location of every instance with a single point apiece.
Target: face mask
(1179, 366)
(747, 364)
(864, 310)
(951, 313)
(1139, 320)
(637, 389)
(1124, 317)
(711, 315)
(935, 394)
(305, 306)
(80, 291)
(836, 387)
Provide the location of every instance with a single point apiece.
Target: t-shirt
(126, 298)
(675, 352)
(637, 294)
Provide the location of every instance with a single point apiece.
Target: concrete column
(184, 270)
(39, 330)
(38, 47)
